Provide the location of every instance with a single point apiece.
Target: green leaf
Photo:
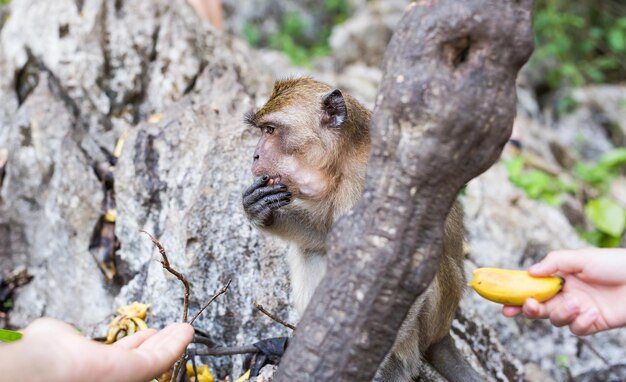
(514, 166)
(9, 335)
(251, 31)
(567, 186)
(608, 241)
(595, 74)
(614, 158)
(617, 40)
(562, 361)
(592, 237)
(535, 182)
(608, 216)
(594, 175)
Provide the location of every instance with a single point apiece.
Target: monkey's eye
(269, 129)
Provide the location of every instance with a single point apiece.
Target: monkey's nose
(256, 156)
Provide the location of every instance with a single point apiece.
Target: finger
(566, 312)
(511, 311)
(583, 324)
(279, 203)
(535, 310)
(133, 341)
(153, 357)
(262, 192)
(163, 349)
(271, 199)
(260, 181)
(558, 261)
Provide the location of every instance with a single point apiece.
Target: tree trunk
(444, 111)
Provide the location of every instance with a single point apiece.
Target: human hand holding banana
(593, 295)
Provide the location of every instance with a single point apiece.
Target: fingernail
(289, 194)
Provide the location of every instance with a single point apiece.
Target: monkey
(309, 167)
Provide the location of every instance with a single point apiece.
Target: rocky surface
(83, 78)
(97, 70)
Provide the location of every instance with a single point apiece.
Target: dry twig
(223, 351)
(273, 317)
(166, 265)
(219, 292)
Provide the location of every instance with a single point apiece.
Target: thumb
(558, 261)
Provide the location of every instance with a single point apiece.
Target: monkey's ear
(334, 110)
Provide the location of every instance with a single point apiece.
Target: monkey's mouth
(274, 179)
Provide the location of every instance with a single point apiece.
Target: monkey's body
(312, 161)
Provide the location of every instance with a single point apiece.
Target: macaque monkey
(310, 165)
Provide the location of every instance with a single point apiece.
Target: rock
(612, 373)
(364, 36)
(266, 374)
(607, 103)
(596, 124)
(362, 81)
(149, 68)
(480, 345)
(533, 373)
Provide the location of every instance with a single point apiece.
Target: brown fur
(341, 156)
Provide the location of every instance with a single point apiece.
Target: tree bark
(444, 111)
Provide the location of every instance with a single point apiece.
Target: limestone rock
(90, 72)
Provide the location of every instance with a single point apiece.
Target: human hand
(53, 351)
(592, 296)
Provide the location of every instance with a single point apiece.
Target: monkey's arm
(260, 200)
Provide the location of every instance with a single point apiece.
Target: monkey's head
(310, 134)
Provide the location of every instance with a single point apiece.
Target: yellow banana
(511, 287)
(141, 324)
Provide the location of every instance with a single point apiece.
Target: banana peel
(244, 377)
(130, 319)
(204, 374)
(513, 287)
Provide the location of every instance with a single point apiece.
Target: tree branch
(166, 265)
(223, 351)
(445, 110)
(219, 293)
(273, 317)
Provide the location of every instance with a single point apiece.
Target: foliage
(607, 217)
(580, 41)
(537, 184)
(5, 2)
(9, 335)
(605, 171)
(297, 36)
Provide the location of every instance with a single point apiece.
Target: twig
(166, 265)
(273, 317)
(195, 370)
(610, 367)
(221, 351)
(220, 292)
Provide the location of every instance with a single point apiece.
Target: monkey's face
(291, 152)
(302, 130)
